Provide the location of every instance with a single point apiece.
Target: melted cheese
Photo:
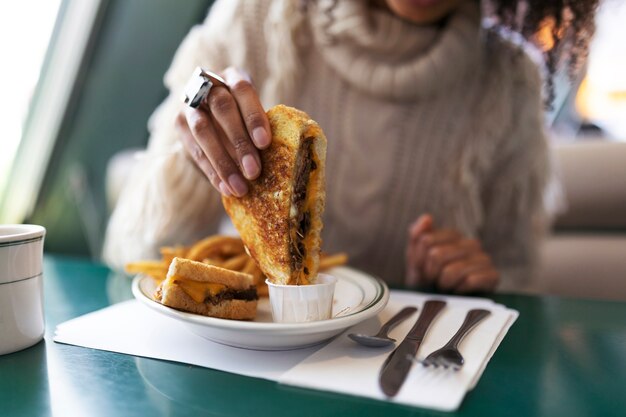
(312, 193)
(197, 290)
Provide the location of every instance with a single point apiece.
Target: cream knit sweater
(418, 119)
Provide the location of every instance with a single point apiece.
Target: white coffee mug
(21, 286)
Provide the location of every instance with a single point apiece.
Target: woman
(436, 159)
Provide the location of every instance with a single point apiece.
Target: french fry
(236, 263)
(331, 261)
(259, 280)
(222, 251)
(155, 269)
(262, 290)
(215, 245)
(168, 253)
(232, 247)
(203, 248)
(257, 276)
(250, 266)
(213, 261)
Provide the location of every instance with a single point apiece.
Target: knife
(397, 366)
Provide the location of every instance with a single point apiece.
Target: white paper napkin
(340, 366)
(345, 367)
(134, 329)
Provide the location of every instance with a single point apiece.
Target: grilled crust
(198, 271)
(173, 296)
(262, 216)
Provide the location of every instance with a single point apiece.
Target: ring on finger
(199, 85)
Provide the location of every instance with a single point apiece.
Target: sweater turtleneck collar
(383, 55)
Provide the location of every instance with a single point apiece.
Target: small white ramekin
(303, 303)
(21, 286)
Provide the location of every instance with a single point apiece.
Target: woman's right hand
(224, 134)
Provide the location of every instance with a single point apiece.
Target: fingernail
(224, 189)
(260, 137)
(238, 185)
(250, 166)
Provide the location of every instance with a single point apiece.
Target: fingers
(223, 135)
(207, 138)
(484, 280)
(424, 223)
(455, 272)
(439, 256)
(196, 153)
(428, 241)
(250, 106)
(225, 112)
(446, 259)
(461, 267)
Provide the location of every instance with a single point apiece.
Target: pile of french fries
(223, 251)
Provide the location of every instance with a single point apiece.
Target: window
(601, 98)
(36, 94)
(25, 31)
(595, 106)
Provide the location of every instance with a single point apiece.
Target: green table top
(563, 357)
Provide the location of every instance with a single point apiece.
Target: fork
(449, 356)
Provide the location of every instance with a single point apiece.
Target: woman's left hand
(447, 260)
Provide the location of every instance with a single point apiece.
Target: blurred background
(83, 77)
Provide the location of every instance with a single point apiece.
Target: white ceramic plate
(358, 296)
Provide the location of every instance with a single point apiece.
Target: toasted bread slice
(201, 272)
(175, 297)
(279, 220)
(208, 290)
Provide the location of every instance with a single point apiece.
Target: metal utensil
(449, 356)
(397, 366)
(381, 338)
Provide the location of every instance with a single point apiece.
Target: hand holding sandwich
(278, 211)
(447, 260)
(223, 135)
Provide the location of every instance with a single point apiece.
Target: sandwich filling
(300, 215)
(211, 293)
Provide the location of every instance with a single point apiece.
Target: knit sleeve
(515, 216)
(166, 200)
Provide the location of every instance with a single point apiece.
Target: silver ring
(199, 85)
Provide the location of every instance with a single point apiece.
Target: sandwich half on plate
(208, 290)
(279, 220)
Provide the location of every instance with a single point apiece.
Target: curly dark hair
(562, 29)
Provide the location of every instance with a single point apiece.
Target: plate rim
(372, 308)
